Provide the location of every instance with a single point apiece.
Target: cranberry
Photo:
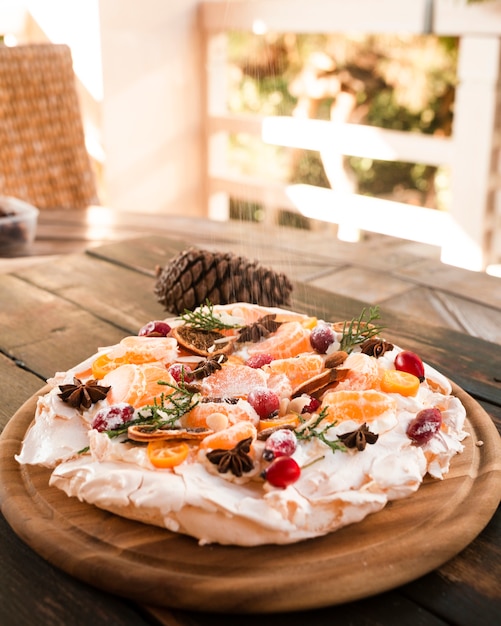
(155, 328)
(321, 337)
(264, 401)
(312, 406)
(113, 417)
(282, 442)
(258, 360)
(411, 363)
(282, 472)
(181, 372)
(424, 426)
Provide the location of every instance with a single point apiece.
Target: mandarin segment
(364, 372)
(135, 350)
(138, 384)
(358, 405)
(291, 339)
(297, 369)
(229, 437)
(199, 416)
(146, 350)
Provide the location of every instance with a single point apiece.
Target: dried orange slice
(359, 405)
(167, 454)
(395, 381)
(291, 339)
(202, 342)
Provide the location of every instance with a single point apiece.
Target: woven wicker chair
(43, 159)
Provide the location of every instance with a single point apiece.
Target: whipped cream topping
(334, 488)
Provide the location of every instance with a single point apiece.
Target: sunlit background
(140, 72)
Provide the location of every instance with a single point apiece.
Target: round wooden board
(153, 566)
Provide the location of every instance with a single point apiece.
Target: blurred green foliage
(399, 82)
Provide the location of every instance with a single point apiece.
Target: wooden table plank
(470, 285)
(390, 609)
(36, 328)
(365, 284)
(21, 385)
(49, 597)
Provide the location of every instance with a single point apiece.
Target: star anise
(81, 394)
(262, 328)
(209, 366)
(376, 347)
(358, 438)
(237, 460)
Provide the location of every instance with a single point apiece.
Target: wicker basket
(43, 159)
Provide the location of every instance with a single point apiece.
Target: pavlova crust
(335, 485)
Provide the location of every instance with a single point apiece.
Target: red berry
(112, 417)
(156, 328)
(181, 372)
(411, 363)
(282, 442)
(264, 401)
(284, 471)
(258, 360)
(312, 406)
(321, 337)
(424, 426)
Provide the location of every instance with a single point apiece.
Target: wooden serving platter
(404, 541)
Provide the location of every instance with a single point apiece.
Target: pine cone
(195, 276)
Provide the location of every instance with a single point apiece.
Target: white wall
(151, 111)
(138, 68)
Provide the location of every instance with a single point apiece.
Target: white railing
(469, 234)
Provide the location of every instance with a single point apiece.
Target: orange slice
(229, 437)
(359, 405)
(291, 339)
(297, 369)
(166, 454)
(395, 381)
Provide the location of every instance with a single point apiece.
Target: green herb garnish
(312, 430)
(205, 319)
(359, 329)
(165, 411)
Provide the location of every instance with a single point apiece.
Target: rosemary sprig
(171, 407)
(359, 329)
(205, 319)
(312, 430)
(165, 411)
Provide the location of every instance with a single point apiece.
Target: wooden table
(55, 311)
